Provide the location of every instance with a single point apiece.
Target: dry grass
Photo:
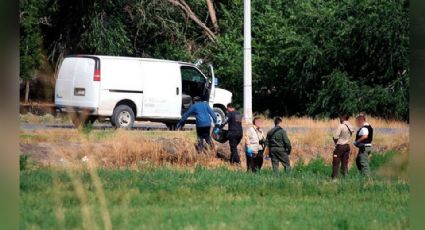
(135, 149)
(116, 149)
(45, 119)
(318, 143)
(326, 123)
(144, 149)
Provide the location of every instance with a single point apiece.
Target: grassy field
(156, 180)
(220, 198)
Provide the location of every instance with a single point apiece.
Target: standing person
(235, 132)
(341, 154)
(203, 114)
(279, 147)
(255, 146)
(363, 141)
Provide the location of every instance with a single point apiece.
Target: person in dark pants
(341, 154)
(235, 132)
(203, 114)
(279, 146)
(255, 146)
(363, 141)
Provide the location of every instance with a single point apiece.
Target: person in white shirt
(363, 141)
(341, 154)
(254, 146)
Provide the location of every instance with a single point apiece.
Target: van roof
(124, 57)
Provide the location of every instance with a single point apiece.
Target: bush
(316, 166)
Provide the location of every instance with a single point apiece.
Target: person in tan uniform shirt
(341, 154)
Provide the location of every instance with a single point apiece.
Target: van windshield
(192, 75)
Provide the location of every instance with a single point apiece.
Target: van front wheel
(220, 114)
(123, 117)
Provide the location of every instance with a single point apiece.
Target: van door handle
(177, 91)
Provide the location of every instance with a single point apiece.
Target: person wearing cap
(235, 132)
(254, 145)
(279, 146)
(363, 141)
(342, 139)
(203, 114)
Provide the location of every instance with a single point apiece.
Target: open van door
(212, 87)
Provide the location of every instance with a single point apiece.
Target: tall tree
(31, 41)
(213, 15)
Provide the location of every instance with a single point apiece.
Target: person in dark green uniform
(279, 146)
(363, 141)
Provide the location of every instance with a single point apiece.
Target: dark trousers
(279, 155)
(255, 162)
(234, 140)
(203, 133)
(340, 158)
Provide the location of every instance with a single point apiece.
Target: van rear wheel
(123, 117)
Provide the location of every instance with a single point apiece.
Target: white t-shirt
(364, 130)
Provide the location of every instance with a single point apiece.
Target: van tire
(123, 117)
(112, 122)
(220, 114)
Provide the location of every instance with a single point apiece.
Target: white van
(125, 89)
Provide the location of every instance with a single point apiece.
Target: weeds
(87, 129)
(44, 119)
(23, 162)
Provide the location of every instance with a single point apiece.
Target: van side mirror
(216, 81)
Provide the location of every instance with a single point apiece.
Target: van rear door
(78, 82)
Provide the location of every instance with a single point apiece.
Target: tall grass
(166, 198)
(329, 123)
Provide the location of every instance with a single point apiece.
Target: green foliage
(105, 36)
(306, 53)
(337, 94)
(317, 167)
(87, 129)
(30, 50)
(377, 160)
(23, 162)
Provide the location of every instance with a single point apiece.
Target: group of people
(342, 138)
(275, 145)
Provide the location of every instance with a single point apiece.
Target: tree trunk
(27, 90)
(213, 15)
(185, 7)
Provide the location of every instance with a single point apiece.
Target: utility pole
(247, 67)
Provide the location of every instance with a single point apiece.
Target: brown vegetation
(142, 149)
